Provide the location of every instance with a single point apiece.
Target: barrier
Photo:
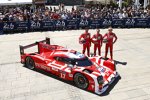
(142, 22)
(95, 23)
(1, 28)
(52, 25)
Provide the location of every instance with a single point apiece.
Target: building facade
(66, 2)
(81, 2)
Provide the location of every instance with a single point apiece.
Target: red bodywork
(50, 58)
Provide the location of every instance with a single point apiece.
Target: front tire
(29, 63)
(81, 81)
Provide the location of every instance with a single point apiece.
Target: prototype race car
(93, 74)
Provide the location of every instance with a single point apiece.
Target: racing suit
(111, 39)
(87, 43)
(97, 41)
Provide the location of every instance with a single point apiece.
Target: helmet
(82, 41)
(94, 40)
(105, 40)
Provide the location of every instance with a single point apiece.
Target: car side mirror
(70, 66)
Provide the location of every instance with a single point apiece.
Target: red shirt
(55, 16)
(98, 39)
(110, 37)
(86, 37)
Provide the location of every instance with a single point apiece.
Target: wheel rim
(30, 63)
(81, 81)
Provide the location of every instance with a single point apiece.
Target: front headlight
(100, 80)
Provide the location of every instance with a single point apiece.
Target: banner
(129, 22)
(60, 24)
(52, 25)
(8, 26)
(71, 23)
(141, 22)
(34, 25)
(118, 23)
(48, 24)
(95, 23)
(1, 28)
(106, 22)
(84, 23)
(22, 25)
(148, 26)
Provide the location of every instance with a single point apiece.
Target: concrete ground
(20, 83)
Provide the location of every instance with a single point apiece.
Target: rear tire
(29, 63)
(81, 81)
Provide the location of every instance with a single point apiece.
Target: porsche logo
(87, 36)
(98, 37)
(111, 36)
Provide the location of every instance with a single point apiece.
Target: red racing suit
(87, 43)
(97, 41)
(111, 39)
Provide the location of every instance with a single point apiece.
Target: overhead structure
(15, 2)
(120, 3)
(39, 1)
(97, 1)
(146, 3)
(137, 4)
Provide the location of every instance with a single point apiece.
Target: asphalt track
(131, 53)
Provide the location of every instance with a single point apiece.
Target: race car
(93, 74)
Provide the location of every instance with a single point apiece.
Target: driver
(111, 39)
(97, 41)
(85, 39)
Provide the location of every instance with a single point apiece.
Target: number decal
(62, 74)
(60, 23)
(102, 69)
(83, 22)
(8, 26)
(107, 22)
(130, 21)
(35, 24)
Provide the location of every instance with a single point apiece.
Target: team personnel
(111, 39)
(85, 39)
(97, 41)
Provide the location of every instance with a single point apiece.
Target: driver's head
(98, 31)
(86, 30)
(110, 29)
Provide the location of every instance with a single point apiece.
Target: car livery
(94, 74)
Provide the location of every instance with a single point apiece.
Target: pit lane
(20, 83)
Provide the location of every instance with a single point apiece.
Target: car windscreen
(83, 62)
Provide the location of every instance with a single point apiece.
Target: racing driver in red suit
(85, 39)
(97, 41)
(110, 38)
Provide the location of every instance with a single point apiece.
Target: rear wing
(22, 48)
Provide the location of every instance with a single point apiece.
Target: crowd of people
(47, 13)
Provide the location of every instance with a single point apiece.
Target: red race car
(93, 74)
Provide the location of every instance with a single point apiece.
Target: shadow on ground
(111, 87)
(71, 83)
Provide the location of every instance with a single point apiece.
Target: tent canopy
(15, 2)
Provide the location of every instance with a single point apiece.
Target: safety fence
(52, 25)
